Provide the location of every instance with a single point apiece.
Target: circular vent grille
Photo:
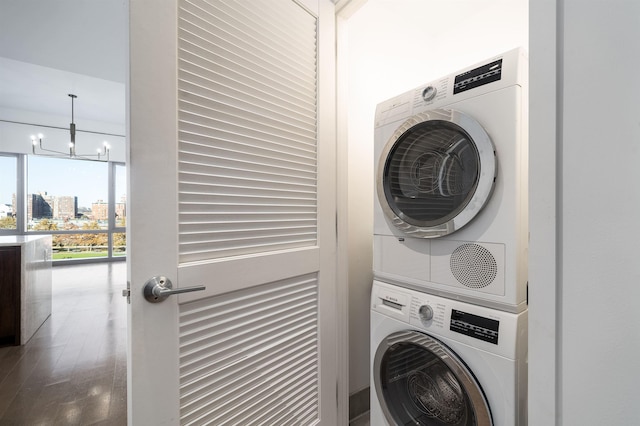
(473, 266)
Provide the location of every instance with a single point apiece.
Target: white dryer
(436, 361)
(450, 214)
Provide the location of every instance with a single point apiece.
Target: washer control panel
(474, 326)
(433, 312)
(450, 319)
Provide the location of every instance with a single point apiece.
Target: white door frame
(543, 214)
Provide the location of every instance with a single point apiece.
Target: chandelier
(102, 154)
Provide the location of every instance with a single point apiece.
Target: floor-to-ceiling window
(81, 203)
(8, 190)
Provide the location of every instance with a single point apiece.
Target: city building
(65, 207)
(44, 206)
(39, 206)
(100, 210)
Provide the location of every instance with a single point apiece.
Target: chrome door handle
(158, 288)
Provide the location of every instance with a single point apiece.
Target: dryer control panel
(477, 77)
(504, 70)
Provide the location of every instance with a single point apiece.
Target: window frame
(21, 211)
(21, 197)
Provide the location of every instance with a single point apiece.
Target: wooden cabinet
(9, 296)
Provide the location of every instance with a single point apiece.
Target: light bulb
(70, 144)
(40, 136)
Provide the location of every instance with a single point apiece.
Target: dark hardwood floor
(73, 370)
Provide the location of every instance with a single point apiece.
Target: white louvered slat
(251, 357)
(244, 25)
(247, 118)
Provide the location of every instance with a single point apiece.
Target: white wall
(600, 349)
(393, 46)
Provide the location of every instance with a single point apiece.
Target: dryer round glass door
(420, 381)
(436, 173)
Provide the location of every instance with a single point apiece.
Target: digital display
(475, 326)
(478, 77)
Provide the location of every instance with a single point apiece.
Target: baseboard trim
(358, 403)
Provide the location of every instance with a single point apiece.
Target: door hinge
(127, 292)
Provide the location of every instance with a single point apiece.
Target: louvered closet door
(232, 186)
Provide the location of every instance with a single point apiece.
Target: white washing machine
(450, 215)
(436, 361)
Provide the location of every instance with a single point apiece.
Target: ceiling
(49, 49)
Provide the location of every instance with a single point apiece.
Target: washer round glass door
(420, 381)
(436, 173)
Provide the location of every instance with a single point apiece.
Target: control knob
(425, 313)
(429, 93)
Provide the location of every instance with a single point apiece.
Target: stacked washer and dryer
(449, 298)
